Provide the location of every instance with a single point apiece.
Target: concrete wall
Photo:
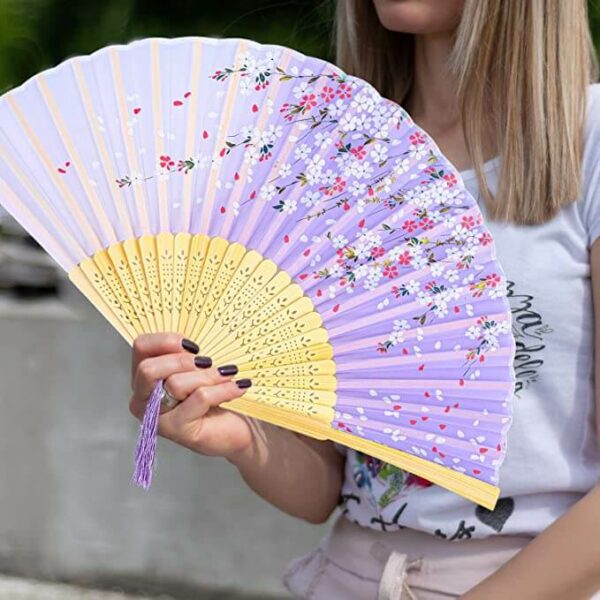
(67, 508)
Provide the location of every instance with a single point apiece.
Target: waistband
(454, 565)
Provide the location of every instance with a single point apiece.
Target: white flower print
(285, 170)
(339, 241)
(288, 205)
(310, 199)
(379, 153)
(473, 332)
(302, 152)
(267, 192)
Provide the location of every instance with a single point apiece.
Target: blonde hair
(523, 66)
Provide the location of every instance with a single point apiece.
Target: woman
(503, 88)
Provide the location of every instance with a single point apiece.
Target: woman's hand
(198, 423)
(297, 474)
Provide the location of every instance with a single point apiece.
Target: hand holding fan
(288, 219)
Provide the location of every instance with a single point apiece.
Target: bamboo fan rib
(289, 220)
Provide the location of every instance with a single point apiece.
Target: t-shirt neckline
(487, 166)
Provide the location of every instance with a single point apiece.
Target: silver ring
(167, 400)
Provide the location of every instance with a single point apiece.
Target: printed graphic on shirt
(382, 485)
(529, 330)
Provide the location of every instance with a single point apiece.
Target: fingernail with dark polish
(203, 362)
(190, 346)
(227, 370)
(244, 383)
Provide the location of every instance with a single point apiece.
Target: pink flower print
(450, 179)
(467, 221)
(344, 90)
(286, 111)
(339, 184)
(417, 138)
(390, 271)
(335, 188)
(429, 287)
(493, 280)
(377, 252)
(308, 102)
(359, 152)
(327, 93)
(404, 259)
(166, 162)
(409, 226)
(426, 223)
(485, 239)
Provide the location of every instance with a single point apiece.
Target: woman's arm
(298, 475)
(564, 560)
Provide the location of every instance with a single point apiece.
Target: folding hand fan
(288, 219)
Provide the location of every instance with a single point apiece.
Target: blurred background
(67, 510)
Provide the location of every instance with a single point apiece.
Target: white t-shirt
(552, 458)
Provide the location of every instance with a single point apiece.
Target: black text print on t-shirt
(529, 330)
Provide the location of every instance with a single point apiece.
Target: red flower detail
(307, 102)
(327, 93)
(405, 258)
(344, 90)
(426, 223)
(166, 162)
(450, 179)
(409, 226)
(485, 239)
(493, 280)
(417, 138)
(377, 252)
(417, 481)
(359, 152)
(467, 221)
(390, 271)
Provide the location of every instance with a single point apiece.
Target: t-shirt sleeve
(590, 190)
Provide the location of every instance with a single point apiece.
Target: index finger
(149, 345)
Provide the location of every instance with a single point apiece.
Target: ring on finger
(167, 400)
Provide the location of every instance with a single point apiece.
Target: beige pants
(358, 563)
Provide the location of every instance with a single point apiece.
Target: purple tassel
(146, 443)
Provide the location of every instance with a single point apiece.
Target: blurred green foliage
(35, 34)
